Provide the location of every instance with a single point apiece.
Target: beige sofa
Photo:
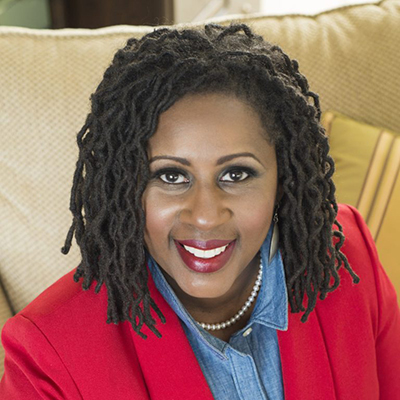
(350, 55)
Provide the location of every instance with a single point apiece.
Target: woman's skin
(201, 196)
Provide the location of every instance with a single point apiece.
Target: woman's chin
(200, 286)
(204, 292)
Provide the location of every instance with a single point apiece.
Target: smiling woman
(205, 212)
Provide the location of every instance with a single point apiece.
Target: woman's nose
(206, 208)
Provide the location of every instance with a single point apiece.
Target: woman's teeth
(205, 253)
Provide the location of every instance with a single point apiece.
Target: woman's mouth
(205, 257)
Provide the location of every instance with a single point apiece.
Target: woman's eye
(235, 176)
(173, 177)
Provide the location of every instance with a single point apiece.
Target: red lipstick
(205, 265)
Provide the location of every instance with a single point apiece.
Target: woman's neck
(217, 310)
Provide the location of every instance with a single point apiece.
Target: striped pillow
(368, 177)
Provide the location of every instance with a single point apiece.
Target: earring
(275, 236)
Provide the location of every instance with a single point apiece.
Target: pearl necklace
(239, 314)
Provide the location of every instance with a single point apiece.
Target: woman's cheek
(254, 210)
(160, 211)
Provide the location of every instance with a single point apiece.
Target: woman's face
(210, 200)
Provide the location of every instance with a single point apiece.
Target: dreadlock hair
(147, 77)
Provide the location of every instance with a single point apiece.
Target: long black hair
(145, 78)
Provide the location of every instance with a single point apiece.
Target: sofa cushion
(349, 56)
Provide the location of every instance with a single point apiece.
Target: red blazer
(60, 347)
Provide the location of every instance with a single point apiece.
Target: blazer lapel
(305, 362)
(170, 368)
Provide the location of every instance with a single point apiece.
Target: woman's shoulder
(63, 297)
(374, 298)
(359, 246)
(60, 321)
(63, 315)
(355, 230)
(57, 335)
(361, 252)
(356, 325)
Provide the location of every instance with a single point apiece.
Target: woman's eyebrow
(180, 160)
(220, 161)
(229, 157)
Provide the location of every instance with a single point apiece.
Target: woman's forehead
(209, 126)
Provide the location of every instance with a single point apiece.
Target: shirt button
(247, 332)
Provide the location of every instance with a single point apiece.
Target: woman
(204, 208)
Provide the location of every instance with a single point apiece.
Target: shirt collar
(270, 310)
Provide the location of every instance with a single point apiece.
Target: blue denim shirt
(249, 366)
